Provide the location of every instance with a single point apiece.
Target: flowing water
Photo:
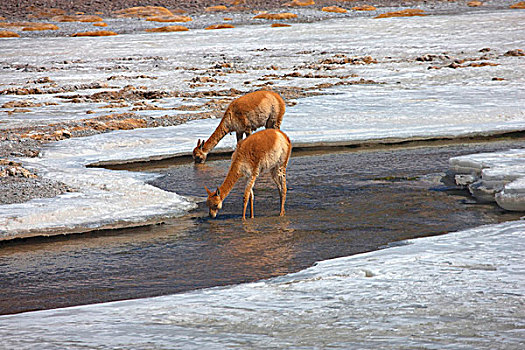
(339, 203)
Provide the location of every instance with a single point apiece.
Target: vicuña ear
(218, 192)
(200, 144)
(207, 190)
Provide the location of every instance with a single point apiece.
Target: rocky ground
(18, 184)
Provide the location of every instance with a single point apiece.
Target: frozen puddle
(462, 290)
(498, 176)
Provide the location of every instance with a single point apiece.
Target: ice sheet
(413, 102)
(498, 176)
(462, 290)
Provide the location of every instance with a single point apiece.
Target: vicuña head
(243, 116)
(267, 150)
(199, 156)
(214, 202)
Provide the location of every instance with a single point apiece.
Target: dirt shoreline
(21, 9)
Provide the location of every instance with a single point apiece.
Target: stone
(517, 52)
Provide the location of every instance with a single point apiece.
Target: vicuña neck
(217, 135)
(230, 180)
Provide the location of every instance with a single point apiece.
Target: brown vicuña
(243, 116)
(266, 150)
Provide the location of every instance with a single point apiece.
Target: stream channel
(340, 202)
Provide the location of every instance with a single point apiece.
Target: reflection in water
(338, 204)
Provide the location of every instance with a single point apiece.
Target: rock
(43, 80)
(517, 52)
(335, 9)
(167, 29)
(95, 33)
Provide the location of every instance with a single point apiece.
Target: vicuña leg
(279, 177)
(248, 195)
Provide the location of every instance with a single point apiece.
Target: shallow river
(339, 203)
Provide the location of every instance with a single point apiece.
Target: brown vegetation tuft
(95, 33)
(474, 3)
(40, 26)
(220, 26)
(285, 15)
(44, 12)
(295, 3)
(277, 25)
(402, 13)
(169, 19)
(144, 11)
(167, 29)
(8, 34)
(364, 8)
(333, 9)
(217, 8)
(77, 18)
(519, 5)
(27, 26)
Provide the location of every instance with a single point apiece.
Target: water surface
(338, 204)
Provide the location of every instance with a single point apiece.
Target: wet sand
(338, 204)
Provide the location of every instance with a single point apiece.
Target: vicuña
(266, 150)
(243, 116)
